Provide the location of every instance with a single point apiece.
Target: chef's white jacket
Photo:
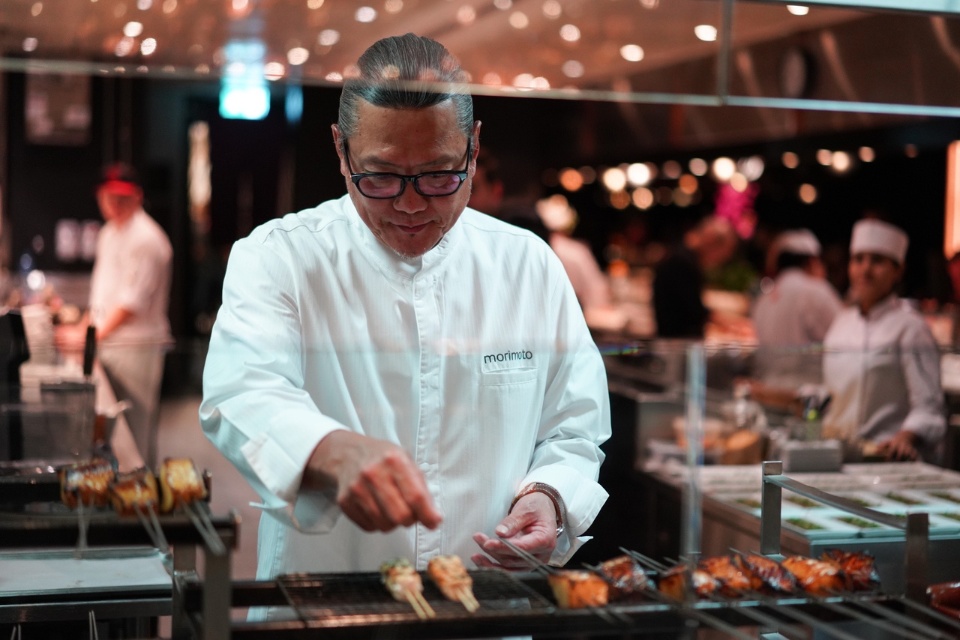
(883, 372)
(791, 321)
(474, 357)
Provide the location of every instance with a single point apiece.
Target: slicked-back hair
(405, 72)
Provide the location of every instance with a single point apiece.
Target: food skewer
(404, 584)
(82, 536)
(148, 519)
(451, 577)
(182, 486)
(198, 516)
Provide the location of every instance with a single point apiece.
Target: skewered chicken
(769, 573)
(180, 483)
(86, 483)
(134, 491)
(858, 568)
(624, 576)
(815, 576)
(404, 584)
(577, 589)
(673, 583)
(734, 581)
(451, 577)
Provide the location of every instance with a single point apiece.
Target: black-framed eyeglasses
(432, 184)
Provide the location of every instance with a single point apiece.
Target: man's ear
(338, 144)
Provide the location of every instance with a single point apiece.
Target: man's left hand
(531, 526)
(902, 446)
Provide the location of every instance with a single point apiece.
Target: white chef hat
(799, 241)
(875, 236)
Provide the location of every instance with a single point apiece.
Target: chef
(881, 363)
(396, 374)
(792, 315)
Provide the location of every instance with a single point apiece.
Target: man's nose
(410, 201)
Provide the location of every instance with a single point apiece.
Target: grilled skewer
(451, 577)
(404, 584)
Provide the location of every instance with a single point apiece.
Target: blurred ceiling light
(36, 9)
(148, 46)
(492, 79)
(169, 6)
(202, 68)
(619, 200)
(705, 32)
(503, 5)
(30, 44)
(841, 161)
(572, 69)
(807, 193)
(751, 167)
(552, 9)
(365, 14)
(698, 166)
(466, 14)
(911, 150)
(790, 160)
(334, 76)
(739, 182)
(672, 169)
(589, 174)
(239, 6)
(328, 37)
(638, 174)
(519, 20)
(142, 68)
(523, 81)
(631, 52)
(688, 184)
(393, 6)
(681, 198)
(133, 29)
(654, 170)
(144, 5)
(570, 179)
(824, 157)
(798, 9)
(642, 198)
(273, 70)
(649, 4)
(297, 56)
(314, 4)
(570, 33)
(866, 154)
(614, 179)
(124, 47)
(724, 168)
(540, 83)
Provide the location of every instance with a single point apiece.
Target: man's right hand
(378, 485)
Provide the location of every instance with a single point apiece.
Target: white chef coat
(474, 357)
(883, 371)
(791, 321)
(132, 270)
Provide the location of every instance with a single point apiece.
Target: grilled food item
(816, 577)
(404, 584)
(451, 577)
(86, 483)
(180, 483)
(734, 581)
(673, 582)
(134, 491)
(624, 576)
(858, 567)
(574, 589)
(771, 576)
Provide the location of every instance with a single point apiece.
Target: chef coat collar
(390, 262)
(882, 307)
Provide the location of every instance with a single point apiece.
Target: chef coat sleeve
(254, 407)
(141, 280)
(575, 421)
(920, 359)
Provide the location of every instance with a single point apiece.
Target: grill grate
(363, 594)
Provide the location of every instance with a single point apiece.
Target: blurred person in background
(680, 278)
(793, 312)
(129, 296)
(488, 195)
(881, 364)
